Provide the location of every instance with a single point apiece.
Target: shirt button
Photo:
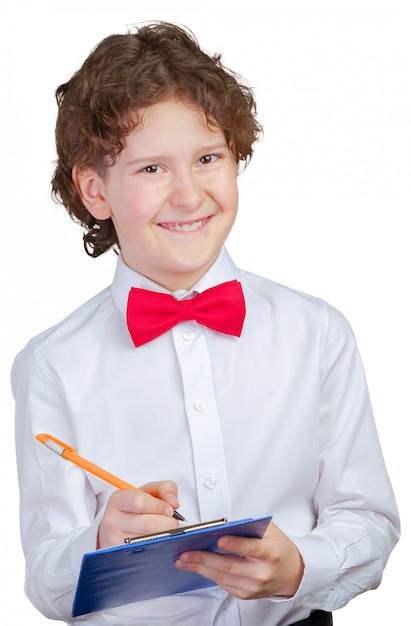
(210, 482)
(200, 405)
(188, 335)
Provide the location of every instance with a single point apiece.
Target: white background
(324, 203)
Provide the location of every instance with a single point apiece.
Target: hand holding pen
(154, 499)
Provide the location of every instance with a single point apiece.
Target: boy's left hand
(267, 567)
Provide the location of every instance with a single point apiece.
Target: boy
(267, 415)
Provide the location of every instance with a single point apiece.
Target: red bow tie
(150, 314)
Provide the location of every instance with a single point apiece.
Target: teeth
(186, 227)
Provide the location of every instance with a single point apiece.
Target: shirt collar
(222, 270)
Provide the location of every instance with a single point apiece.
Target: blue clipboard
(144, 568)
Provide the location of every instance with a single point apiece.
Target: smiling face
(172, 194)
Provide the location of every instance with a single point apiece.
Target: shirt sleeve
(59, 511)
(357, 518)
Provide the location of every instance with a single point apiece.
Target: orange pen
(70, 454)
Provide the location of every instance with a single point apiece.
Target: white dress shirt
(277, 422)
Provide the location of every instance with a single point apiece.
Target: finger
(137, 525)
(126, 516)
(249, 547)
(114, 530)
(138, 501)
(165, 490)
(233, 573)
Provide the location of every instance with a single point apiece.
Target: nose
(187, 191)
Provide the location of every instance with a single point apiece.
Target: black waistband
(317, 618)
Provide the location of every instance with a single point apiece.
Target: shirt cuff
(321, 570)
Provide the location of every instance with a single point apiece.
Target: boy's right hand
(132, 513)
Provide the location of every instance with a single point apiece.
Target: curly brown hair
(125, 73)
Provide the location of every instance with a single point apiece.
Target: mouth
(185, 227)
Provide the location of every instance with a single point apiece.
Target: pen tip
(42, 437)
(178, 516)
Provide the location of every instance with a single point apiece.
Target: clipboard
(143, 568)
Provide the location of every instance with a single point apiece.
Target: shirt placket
(203, 420)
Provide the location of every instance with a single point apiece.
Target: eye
(208, 158)
(152, 169)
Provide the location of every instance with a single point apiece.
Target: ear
(233, 151)
(91, 189)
